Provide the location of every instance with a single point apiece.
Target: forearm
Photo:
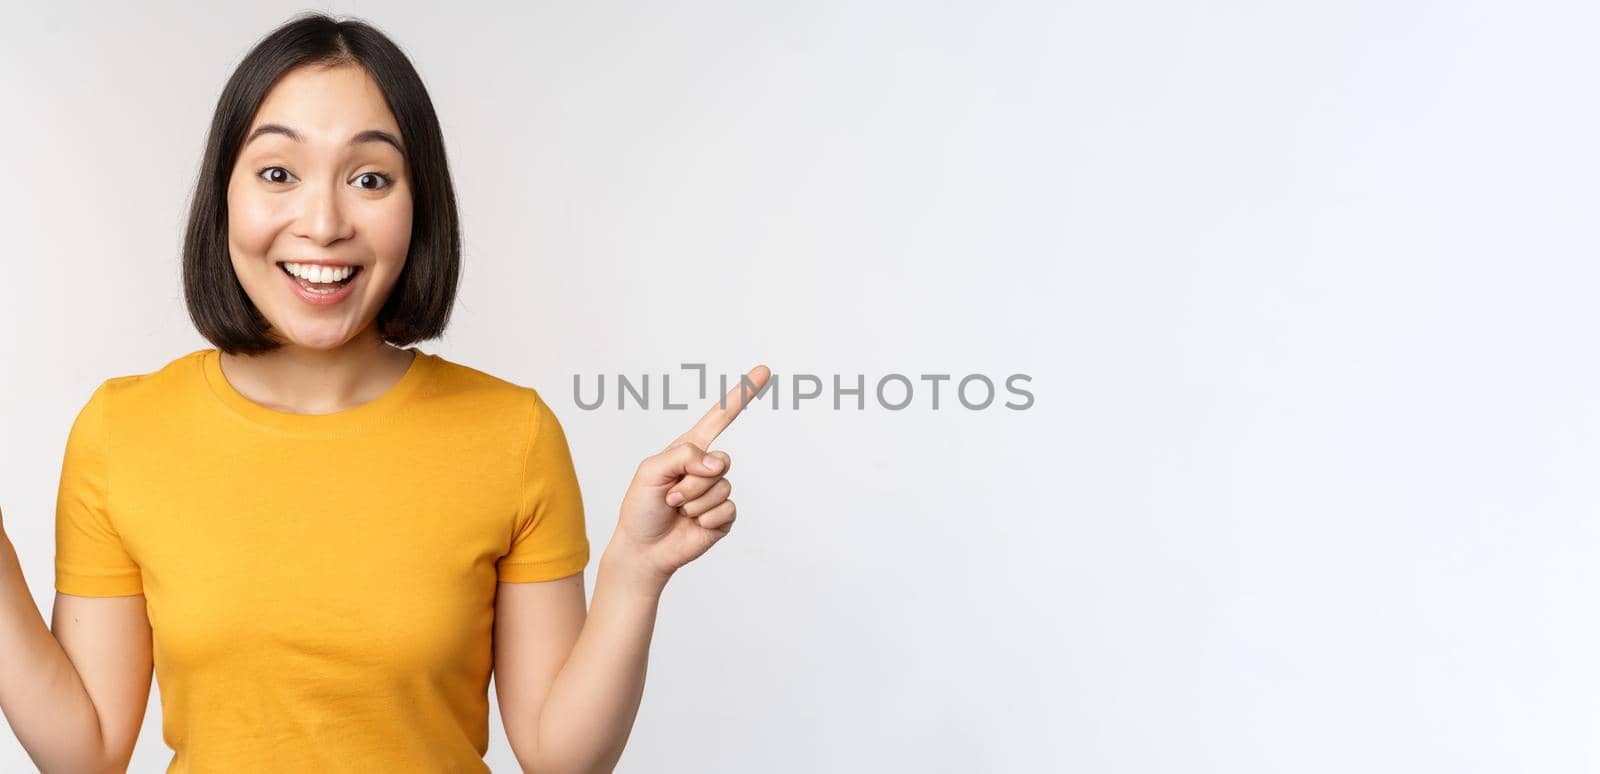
(589, 712)
(43, 698)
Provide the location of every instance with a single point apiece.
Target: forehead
(326, 104)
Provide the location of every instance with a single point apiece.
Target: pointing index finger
(724, 411)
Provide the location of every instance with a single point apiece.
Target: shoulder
(150, 394)
(151, 389)
(482, 394)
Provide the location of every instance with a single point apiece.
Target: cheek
(252, 223)
(390, 230)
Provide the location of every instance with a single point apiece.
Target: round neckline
(373, 412)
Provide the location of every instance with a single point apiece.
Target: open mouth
(320, 278)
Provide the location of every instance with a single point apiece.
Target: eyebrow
(370, 135)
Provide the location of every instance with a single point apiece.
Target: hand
(658, 535)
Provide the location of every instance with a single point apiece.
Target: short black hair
(419, 305)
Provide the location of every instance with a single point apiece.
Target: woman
(322, 538)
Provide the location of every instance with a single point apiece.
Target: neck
(303, 380)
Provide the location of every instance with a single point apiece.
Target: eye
(375, 176)
(274, 178)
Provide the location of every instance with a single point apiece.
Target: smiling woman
(298, 625)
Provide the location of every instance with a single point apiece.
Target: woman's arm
(675, 509)
(75, 699)
(578, 720)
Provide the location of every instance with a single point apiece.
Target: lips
(320, 293)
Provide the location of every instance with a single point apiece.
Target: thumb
(672, 464)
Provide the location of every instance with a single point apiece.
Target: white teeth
(318, 273)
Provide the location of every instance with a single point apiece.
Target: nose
(322, 218)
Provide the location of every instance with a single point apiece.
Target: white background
(1305, 289)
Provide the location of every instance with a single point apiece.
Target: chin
(315, 339)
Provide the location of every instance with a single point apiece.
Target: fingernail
(710, 462)
(674, 499)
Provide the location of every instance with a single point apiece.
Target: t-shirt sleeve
(549, 540)
(90, 558)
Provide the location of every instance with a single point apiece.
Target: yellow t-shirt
(320, 587)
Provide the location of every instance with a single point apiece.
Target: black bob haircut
(419, 305)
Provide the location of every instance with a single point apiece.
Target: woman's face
(319, 189)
